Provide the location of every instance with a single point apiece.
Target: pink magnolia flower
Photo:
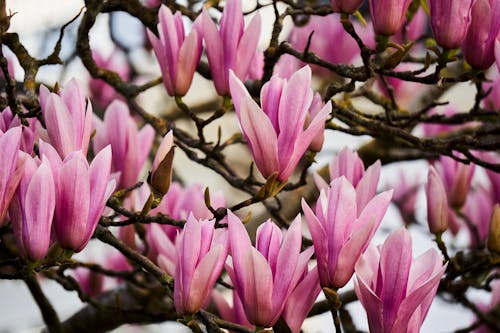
(102, 92)
(231, 47)
(457, 179)
(326, 29)
(29, 133)
(449, 21)
(199, 259)
(275, 132)
(177, 54)
(81, 194)
(301, 300)
(437, 202)
(68, 118)
(11, 167)
(388, 16)
(346, 6)
(395, 289)
(348, 164)
(478, 46)
(130, 147)
(341, 230)
(265, 276)
(31, 217)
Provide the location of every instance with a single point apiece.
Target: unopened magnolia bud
(437, 203)
(494, 234)
(346, 6)
(388, 16)
(161, 173)
(449, 21)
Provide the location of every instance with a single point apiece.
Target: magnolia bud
(346, 6)
(161, 173)
(494, 234)
(449, 21)
(437, 203)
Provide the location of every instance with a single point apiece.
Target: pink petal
(189, 57)
(341, 215)
(286, 265)
(215, 53)
(39, 214)
(258, 288)
(239, 243)
(367, 186)
(72, 203)
(294, 103)
(303, 142)
(372, 304)
(247, 47)
(99, 174)
(60, 125)
(171, 41)
(395, 262)
(204, 277)
(319, 241)
(261, 137)
(231, 29)
(301, 300)
(270, 96)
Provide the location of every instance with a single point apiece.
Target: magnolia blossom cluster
(74, 188)
(58, 171)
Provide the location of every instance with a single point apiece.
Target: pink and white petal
(302, 143)
(374, 211)
(301, 300)
(258, 286)
(247, 47)
(350, 253)
(395, 262)
(59, 125)
(215, 53)
(231, 29)
(239, 243)
(294, 104)
(99, 175)
(261, 137)
(73, 202)
(286, 265)
(341, 214)
(39, 213)
(189, 57)
(168, 33)
(367, 186)
(372, 304)
(425, 293)
(270, 96)
(204, 277)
